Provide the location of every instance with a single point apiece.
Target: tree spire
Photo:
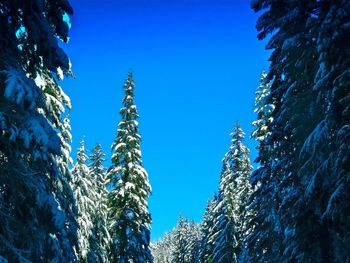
(129, 218)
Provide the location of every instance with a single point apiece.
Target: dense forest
(294, 207)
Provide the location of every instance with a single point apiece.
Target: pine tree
(163, 249)
(235, 182)
(234, 192)
(224, 233)
(129, 218)
(310, 125)
(36, 202)
(265, 238)
(193, 243)
(181, 245)
(207, 231)
(291, 73)
(181, 242)
(99, 239)
(85, 196)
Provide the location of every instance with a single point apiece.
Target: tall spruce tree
(99, 240)
(310, 125)
(265, 238)
(235, 183)
(36, 202)
(85, 195)
(234, 192)
(129, 218)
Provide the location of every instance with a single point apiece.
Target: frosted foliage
(100, 238)
(34, 129)
(304, 171)
(207, 229)
(38, 218)
(162, 250)
(231, 211)
(21, 90)
(129, 218)
(263, 235)
(264, 110)
(85, 196)
(182, 244)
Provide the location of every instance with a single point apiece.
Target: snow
(20, 89)
(121, 192)
(41, 133)
(119, 145)
(137, 152)
(66, 19)
(130, 215)
(129, 185)
(59, 73)
(52, 100)
(21, 32)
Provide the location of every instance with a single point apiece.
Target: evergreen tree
(265, 238)
(163, 249)
(85, 195)
(180, 241)
(234, 192)
(224, 234)
(36, 202)
(99, 239)
(207, 231)
(181, 245)
(235, 182)
(193, 247)
(310, 125)
(129, 218)
(185, 241)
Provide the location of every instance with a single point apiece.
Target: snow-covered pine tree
(310, 126)
(99, 239)
(181, 245)
(85, 196)
(292, 68)
(325, 154)
(235, 183)
(207, 231)
(193, 246)
(129, 218)
(265, 239)
(162, 250)
(223, 237)
(181, 241)
(232, 212)
(36, 201)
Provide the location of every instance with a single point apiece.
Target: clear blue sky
(196, 64)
